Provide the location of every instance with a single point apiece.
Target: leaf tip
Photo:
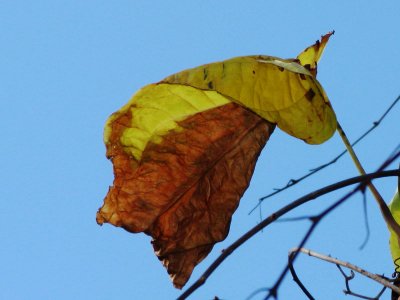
(311, 55)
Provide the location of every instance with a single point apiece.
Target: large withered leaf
(185, 189)
(184, 149)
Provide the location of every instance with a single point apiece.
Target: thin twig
(386, 214)
(313, 195)
(256, 292)
(348, 265)
(293, 182)
(366, 220)
(348, 291)
(295, 277)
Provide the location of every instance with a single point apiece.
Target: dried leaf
(183, 189)
(184, 149)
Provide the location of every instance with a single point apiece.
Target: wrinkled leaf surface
(184, 149)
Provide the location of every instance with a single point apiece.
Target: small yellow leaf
(394, 207)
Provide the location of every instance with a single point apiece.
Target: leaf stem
(387, 216)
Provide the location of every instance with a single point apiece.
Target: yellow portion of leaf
(394, 207)
(280, 91)
(156, 109)
(311, 55)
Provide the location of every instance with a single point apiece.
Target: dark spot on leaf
(205, 74)
(210, 85)
(307, 66)
(302, 76)
(310, 94)
(281, 69)
(254, 72)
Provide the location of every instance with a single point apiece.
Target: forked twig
(348, 291)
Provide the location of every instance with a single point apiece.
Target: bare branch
(318, 218)
(375, 277)
(295, 277)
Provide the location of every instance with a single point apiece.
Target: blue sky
(67, 65)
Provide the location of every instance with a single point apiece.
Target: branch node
(315, 219)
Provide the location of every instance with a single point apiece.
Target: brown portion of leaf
(184, 191)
